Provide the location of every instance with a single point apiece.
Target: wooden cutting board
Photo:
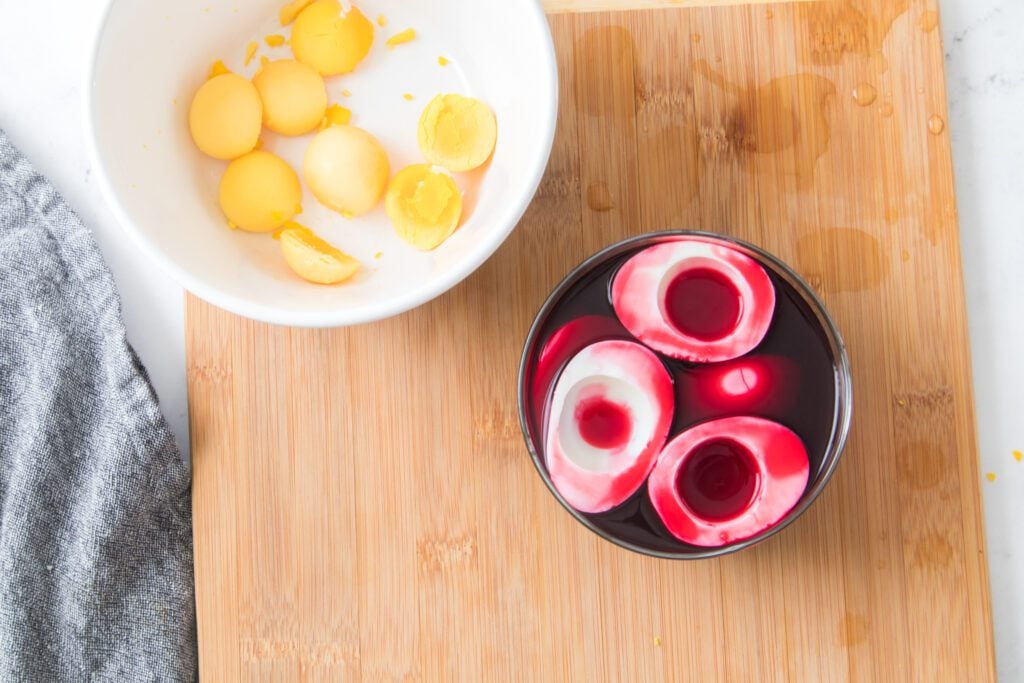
(365, 507)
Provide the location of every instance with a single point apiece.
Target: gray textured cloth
(95, 526)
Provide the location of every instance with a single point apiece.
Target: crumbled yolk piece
(313, 259)
(1017, 455)
(336, 115)
(442, 60)
(250, 51)
(225, 116)
(382, 21)
(424, 205)
(274, 40)
(264, 60)
(291, 10)
(378, 255)
(407, 97)
(330, 39)
(218, 68)
(991, 476)
(293, 94)
(347, 169)
(406, 36)
(259, 192)
(457, 132)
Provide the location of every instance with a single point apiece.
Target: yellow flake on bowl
(264, 60)
(401, 37)
(274, 40)
(336, 115)
(378, 255)
(288, 13)
(382, 21)
(442, 60)
(346, 93)
(250, 51)
(991, 476)
(1017, 455)
(218, 68)
(407, 97)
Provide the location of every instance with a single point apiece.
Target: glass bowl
(831, 426)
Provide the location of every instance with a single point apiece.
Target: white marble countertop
(43, 53)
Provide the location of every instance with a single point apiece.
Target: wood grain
(365, 508)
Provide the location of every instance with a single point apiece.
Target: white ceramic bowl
(151, 55)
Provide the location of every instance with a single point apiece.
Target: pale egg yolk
(347, 169)
(259, 192)
(457, 132)
(314, 259)
(329, 39)
(424, 205)
(294, 96)
(226, 116)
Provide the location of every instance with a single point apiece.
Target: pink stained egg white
(610, 415)
(725, 480)
(694, 300)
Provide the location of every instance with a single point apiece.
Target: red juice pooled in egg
(789, 378)
(702, 304)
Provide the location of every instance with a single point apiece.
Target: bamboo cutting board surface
(365, 507)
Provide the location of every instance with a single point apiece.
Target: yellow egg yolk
(336, 115)
(314, 259)
(347, 169)
(457, 132)
(259, 192)
(293, 94)
(218, 68)
(424, 205)
(274, 40)
(250, 51)
(226, 116)
(329, 39)
(291, 10)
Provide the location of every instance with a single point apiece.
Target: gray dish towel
(95, 525)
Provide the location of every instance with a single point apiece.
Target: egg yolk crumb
(291, 10)
(218, 68)
(225, 116)
(293, 94)
(442, 60)
(382, 21)
(407, 97)
(250, 51)
(424, 205)
(259, 192)
(329, 39)
(274, 40)
(457, 132)
(406, 36)
(314, 259)
(336, 115)
(346, 93)
(347, 169)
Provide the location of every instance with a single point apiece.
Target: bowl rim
(842, 412)
(508, 217)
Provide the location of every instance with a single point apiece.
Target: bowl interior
(150, 58)
(830, 438)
